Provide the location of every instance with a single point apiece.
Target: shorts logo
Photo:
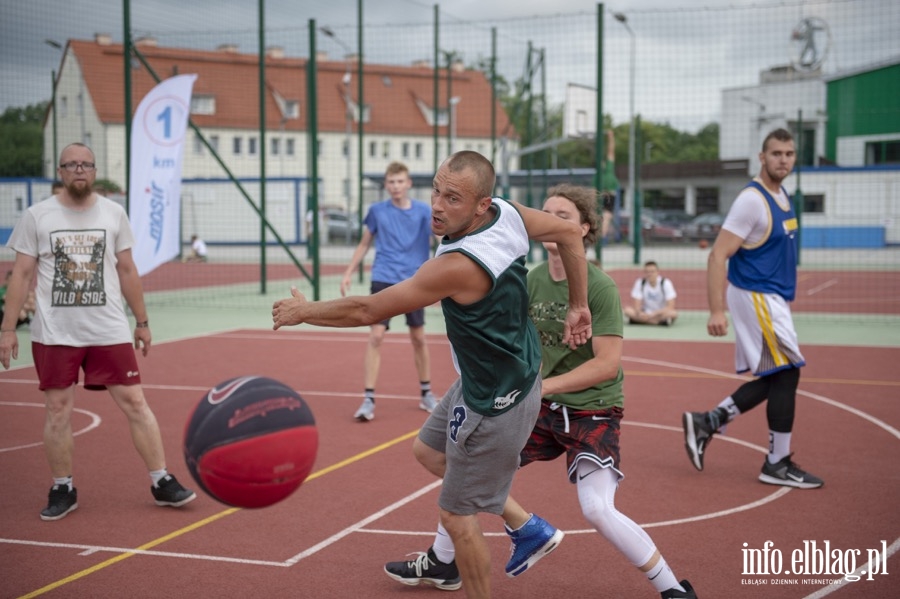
(131, 373)
(459, 416)
(506, 400)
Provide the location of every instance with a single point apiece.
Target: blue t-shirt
(402, 239)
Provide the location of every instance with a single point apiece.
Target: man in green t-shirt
(581, 409)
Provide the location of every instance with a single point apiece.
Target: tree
(21, 141)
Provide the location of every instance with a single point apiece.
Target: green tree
(21, 141)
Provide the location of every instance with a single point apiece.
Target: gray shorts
(482, 452)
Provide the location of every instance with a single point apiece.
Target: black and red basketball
(250, 442)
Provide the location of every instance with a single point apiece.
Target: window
(373, 149)
(883, 152)
(419, 150)
(386, 149)
(320, 145)
(203, 104)
(198, 144)
(251, 146)
(404, 149)
(345, 148)
(707, 199)
(814, 202)
(289, 146)
(214, 142)
(63, 107)
(236, 146)
(79, 110)
(275, 146)
(291, 109)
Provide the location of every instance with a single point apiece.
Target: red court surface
(368, 501)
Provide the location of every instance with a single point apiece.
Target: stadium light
(55, 156)
(348, 116)
(632, 175)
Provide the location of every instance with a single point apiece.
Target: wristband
(142, 325)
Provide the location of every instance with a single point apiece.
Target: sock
(662, 578)
(370, 395)
(779, 446)
(425, 386)
(158, 475)
(63, 480)
(443, 547)
(725, 412)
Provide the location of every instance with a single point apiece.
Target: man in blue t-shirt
(400, 228)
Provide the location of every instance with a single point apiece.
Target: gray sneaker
(429, 401)
(366, 411)
(787, 473)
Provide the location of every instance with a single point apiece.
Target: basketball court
(368, 502)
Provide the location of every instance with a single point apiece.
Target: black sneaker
(425, 569)
(60, 502)
(170, 492)
(787, 473)
(697, 435)
(687, 593)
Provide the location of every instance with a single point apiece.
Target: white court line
(95, 422)
(821, 287)
(89, 549)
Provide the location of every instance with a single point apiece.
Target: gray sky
(863, 31)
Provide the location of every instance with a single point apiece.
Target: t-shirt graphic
(78, 267)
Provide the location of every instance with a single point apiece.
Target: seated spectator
(198, 250)
(653, 299)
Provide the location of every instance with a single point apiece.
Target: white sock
(443, 546)
(662, 578)
(63, 480)
(158, 475)
(733, 412)
(779, 446)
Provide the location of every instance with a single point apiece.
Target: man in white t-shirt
(653, 299)
(78, 245)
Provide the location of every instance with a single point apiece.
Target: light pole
(348, 132)
(453, 102)
(632, 176)
(54, 156)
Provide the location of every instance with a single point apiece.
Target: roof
(232, 78)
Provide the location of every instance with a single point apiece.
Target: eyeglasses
(73, 166)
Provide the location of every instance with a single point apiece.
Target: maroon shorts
(58, 365)
(580, 434)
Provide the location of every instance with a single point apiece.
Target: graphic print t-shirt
(79, 300)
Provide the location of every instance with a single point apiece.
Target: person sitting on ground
(653, 298)
(198, 250)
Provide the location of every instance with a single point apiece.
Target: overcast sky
(869, 34)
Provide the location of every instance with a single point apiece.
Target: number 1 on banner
(166, 117)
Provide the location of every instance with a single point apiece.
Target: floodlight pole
(348, 116)
(632, 175)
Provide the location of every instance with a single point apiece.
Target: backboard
(580, 112)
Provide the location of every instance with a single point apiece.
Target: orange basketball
(704, 244)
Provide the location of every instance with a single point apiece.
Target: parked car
(336, 224)
(654, 229)
(705, 226)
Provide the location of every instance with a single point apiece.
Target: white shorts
(765, 339)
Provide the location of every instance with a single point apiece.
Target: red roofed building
(398, 114)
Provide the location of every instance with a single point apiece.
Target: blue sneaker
(535, 539)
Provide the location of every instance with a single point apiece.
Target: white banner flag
(154, 194)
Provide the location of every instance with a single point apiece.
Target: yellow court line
(209, 520)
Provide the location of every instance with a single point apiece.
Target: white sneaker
(366, 411)
(429, 401)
